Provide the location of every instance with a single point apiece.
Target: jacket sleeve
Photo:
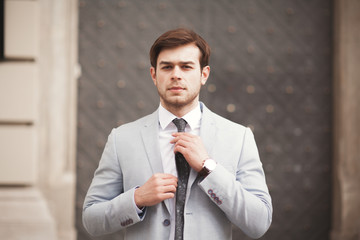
(107, 208)
(243, 197)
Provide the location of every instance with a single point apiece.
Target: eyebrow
(181, 62)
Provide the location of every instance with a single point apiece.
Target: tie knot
(180, 123)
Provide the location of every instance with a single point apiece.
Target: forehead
(185, 53)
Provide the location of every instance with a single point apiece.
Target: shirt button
(166, 222)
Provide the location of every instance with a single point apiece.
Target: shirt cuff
(139, 211)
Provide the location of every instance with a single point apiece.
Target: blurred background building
(72, 70)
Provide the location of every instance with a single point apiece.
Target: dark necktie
(183, 170)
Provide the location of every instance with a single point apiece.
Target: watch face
(210, 164)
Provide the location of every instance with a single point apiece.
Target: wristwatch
(208, 166)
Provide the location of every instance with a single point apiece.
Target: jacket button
(166, 222)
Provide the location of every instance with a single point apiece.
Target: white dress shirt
(166, 128)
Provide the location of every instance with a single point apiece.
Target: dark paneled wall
(270, 70)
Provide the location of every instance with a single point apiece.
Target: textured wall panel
(271, 70)
(19, 86)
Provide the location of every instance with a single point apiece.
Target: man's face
(178, 77)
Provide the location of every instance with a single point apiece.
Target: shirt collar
(192, 118)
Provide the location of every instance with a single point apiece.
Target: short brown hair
(178, 37)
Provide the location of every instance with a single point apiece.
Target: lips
(176, 88)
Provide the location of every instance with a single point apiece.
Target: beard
(176, 102)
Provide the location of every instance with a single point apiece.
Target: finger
(175, 139)
(190, 146)
(164, 179)
(180, 149)
(164, 176)
(183, 134)
(186, 136)
(180, 142)
(167, 195)
(169, 189)
(183, 140)
(170, 182)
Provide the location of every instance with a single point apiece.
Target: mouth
(176, 89)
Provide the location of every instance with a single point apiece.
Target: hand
(159, 187)
(192, 147)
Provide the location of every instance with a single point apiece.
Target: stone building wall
(38, 75)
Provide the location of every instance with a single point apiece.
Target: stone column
(346, 168)
(58, 73)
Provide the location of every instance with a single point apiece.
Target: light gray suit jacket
(234, 193)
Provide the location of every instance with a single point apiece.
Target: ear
(153, 74)
(205, 74)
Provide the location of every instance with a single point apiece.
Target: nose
(176, 73)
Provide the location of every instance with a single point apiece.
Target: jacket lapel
(149, 134)
(207, 134)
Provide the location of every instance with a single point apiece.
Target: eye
(186, 67)
(166, 67)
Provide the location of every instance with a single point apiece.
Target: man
(142, 187)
